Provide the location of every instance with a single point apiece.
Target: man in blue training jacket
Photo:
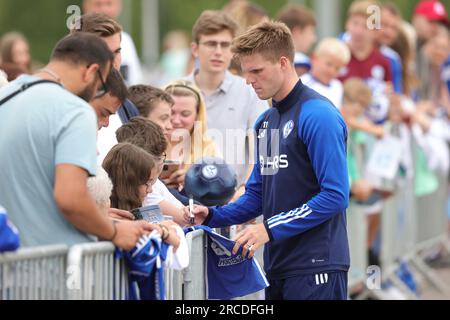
(300, 181)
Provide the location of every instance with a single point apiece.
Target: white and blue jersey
(229, 275)
(300, 184)
(146, 269)
(9, 236)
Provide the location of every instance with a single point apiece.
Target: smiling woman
(189, 122)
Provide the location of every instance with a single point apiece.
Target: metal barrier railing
(96, 274)
(397, 235)
(357, 237)
(34, 274)
(357, 229)
(195, 284)
(409, 225)
(432, 222)
(174, 284)
(91, 271)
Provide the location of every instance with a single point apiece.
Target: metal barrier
(357, 237)
(174, 284)
(34, 274)
(195, 284)
(398, 227)
(357, 229)
(91, 272)
(397, 235)
(431, 215)
(432, 222)
(95, 273)
(409, 225)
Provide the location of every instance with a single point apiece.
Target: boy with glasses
(232, 107)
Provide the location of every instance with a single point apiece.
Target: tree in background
(43, 22)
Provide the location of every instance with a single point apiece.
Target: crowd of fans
(391, 81)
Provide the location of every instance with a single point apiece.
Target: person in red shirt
(367, 62)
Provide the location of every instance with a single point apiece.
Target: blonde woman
(189, 139)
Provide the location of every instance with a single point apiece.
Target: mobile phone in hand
(169, 168)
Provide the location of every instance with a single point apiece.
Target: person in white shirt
(110, 31)
(130, 66)
(160, 195)
(232, 106)
(330, 56)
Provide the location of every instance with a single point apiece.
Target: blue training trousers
(321, 286)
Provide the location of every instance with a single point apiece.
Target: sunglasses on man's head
(104, 89)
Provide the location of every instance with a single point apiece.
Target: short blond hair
(361, 8)
(356, 90)
(211, 22)
(271, 39)
(334, 48)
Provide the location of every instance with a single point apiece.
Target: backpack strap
(25, 87)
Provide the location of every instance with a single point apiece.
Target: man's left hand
(251, 239)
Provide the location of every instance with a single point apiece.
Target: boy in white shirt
(328, 59)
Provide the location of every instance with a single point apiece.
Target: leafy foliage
(44, 21)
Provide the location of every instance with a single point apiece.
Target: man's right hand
(129, 233)
(200, 213)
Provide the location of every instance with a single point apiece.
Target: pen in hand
(191, 211)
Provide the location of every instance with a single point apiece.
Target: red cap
(433, 10)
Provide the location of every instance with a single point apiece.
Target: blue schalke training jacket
(300, 184)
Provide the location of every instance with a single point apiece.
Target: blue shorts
(322, 286)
